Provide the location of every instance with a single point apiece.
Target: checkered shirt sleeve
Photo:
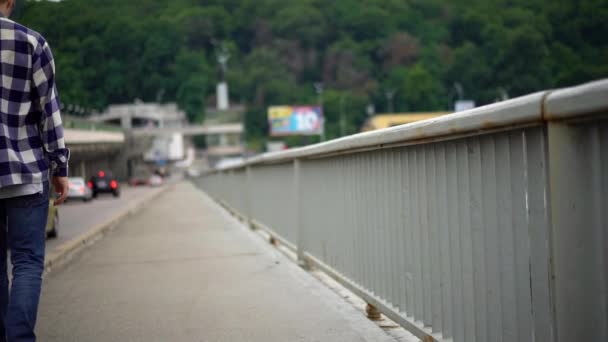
(51, 128)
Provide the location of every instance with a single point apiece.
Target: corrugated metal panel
(439, 231)
(272, 199)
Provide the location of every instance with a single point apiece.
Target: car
(104, 182)
(78, 189)
(193, 173)
(161, 171)
(155, 180)
(52, 222)
(138, 180)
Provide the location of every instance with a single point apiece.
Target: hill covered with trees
(114, 51)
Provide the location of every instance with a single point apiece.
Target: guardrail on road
(486, 225)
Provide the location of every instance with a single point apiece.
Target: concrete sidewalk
(183, 270)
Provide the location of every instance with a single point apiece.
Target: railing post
(297, 205)
(576, 179)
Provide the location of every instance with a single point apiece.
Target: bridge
(485, 225)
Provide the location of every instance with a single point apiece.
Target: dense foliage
(113, 51)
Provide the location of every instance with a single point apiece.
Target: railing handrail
(572, 102)
(536, 108)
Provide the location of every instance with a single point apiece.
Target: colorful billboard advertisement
(295, 120)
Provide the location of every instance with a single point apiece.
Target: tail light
(81, 189)
(101, 174)
(90, 185)
(114, 184)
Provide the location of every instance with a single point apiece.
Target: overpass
(189, 130)
(93, 150)
(223, 129)
(126, 114)
(156, 119)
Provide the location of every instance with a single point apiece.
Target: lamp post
(370, 110)
(342, 118)
(456, 87)
(502, 95)
(390, 95)
(459, 90)
(159, 95)
(319, 90)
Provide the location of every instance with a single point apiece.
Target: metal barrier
(486, 225)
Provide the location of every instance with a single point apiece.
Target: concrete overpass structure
(223, 129)
(93, 150)
(139, 114)
(190, 130)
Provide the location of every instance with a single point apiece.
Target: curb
(68, 249)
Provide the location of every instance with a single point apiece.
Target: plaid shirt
(31, 133)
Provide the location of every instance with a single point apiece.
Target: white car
(193, 173)
(79, 190)
(155, 180)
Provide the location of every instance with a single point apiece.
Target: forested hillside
(113, 51)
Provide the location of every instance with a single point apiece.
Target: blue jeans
(22, 231)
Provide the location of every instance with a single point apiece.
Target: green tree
(114, 51)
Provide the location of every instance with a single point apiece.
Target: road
(77, 217)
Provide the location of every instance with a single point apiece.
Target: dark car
(104, 182)
(138, 180)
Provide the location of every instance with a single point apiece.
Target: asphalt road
(77, 217)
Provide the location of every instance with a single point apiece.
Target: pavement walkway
(183, 270)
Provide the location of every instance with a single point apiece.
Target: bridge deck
(182, 270)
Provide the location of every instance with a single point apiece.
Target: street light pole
(319, 89)
(502, 95)
(390, 94)
(459, 90)
(457, 87)
(342, 118)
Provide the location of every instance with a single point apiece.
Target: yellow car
(52, 222)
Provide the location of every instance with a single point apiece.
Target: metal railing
(486, 225)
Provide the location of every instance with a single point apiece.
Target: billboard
(295, 120)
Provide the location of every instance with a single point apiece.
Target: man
(31, 146)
